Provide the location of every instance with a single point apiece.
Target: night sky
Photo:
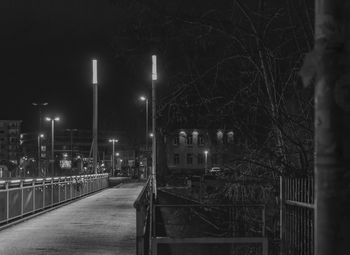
(46, 53)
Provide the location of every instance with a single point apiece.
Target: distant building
(73, 148)
(10, 140)
(186, 148)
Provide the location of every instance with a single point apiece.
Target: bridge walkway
(104, 223)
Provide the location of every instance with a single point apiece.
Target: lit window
(219, 136)
(230, 137)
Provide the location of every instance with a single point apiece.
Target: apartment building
(198, 149)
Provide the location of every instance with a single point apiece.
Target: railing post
(33, 185)
(21, 187)
(7, 201)
(263, 221)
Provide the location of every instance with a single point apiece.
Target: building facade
(198, 149)
(9, 146)
(10, 140)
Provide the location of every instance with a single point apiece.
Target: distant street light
(113, 141)
(206, 161)
(52, 142)
(39, 152)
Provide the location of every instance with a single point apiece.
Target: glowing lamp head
(57, 119)
(154, 67)
(151, 135)
(206, 152)
(48, 119)
(94, 71)
(142, 98)
(117, 154)
(41, 135)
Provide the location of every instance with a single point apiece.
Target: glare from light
(28, 180)
(117, 154)
(113, 140)
(94, 71)
(48, 119)
(143, 98)
(154, 67)
(57, 118)
(15, 181)
(206, 152)
(41, 135)
(151, 135)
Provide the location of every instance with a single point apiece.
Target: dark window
(176, 159)
(189, 139)
(200, 159)
(214, 159)
(200, 140)
(176, 140)
(189, 159)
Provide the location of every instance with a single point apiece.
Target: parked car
(215, 170)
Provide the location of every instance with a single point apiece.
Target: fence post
(281, 216)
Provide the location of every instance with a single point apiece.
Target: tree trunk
(332, 128)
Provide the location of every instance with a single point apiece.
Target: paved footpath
(104, 223)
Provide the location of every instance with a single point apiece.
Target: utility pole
(329, 64)
(95, 115)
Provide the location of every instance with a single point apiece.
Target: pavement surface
(104, 223)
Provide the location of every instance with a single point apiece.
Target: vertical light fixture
(94, 115)
(154, 138)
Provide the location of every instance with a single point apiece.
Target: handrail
(22, 197)
(142, 194)
(143, 208)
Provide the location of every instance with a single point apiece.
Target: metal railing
(298, 216)
(207, 226)
(142, 206)
(22, 197)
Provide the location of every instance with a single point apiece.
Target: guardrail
(142, 206)
(23, 197)
(218, 228)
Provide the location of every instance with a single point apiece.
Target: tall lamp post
(40, 136)
(143, 98)
(71, 141)
(206, 161)
(52, 142)
(113, 141)
(154, 140)
(95, 115)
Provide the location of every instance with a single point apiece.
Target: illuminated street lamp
(40, 136)
(206, 161)
(94, 115)
(143, 98)
(52, 141)
(113, 141)
(154, 138)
